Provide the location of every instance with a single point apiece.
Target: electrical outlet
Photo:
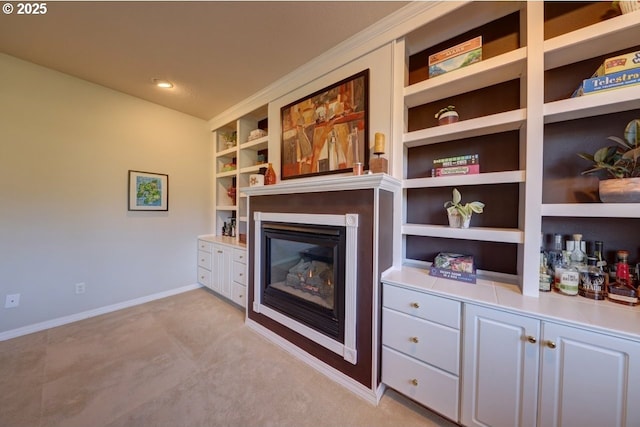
(80, 288)
(12, 300)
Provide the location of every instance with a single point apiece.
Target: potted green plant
(621, 163)
(447, 115)
(230, 139)
(460, 214)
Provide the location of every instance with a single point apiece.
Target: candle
(378, 147)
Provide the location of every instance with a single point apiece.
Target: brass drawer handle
(414, 340)
(414, 382)
(531, 339)
(551, 344)
(415, 305)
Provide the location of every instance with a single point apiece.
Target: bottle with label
(621, 291)
(554, 259)
(593, 281)
(568, 277)
(578, 257)
(546, 277)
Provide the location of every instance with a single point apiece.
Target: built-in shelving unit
(528, 47)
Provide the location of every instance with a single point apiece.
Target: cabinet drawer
(240, 255)
(238, 294)
(204, 246)
(239, 272)
(204, 260)
(430, 342)
(436, 389)
(204, 277)
(425, 306)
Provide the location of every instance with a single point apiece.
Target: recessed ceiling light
(165, 84)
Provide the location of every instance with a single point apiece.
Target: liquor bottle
(270, 175)
(554, 257)
(545, 274)
(593, 281)
(578, 257)
(569, 276)
(621, 291)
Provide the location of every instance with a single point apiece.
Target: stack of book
(454, 266)
(457, 165)
(617, 71)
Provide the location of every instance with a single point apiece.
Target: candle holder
(379, 164)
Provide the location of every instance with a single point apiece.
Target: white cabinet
(421, 348)
(222, 268)
(588, 379)
(500, 368)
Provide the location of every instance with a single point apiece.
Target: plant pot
(448, 117)
(624, 190)
(458, 221)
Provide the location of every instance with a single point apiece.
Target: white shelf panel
(230, 208)
(487, 125)
(227, 173)
(607, 102)
(505, 235)
(229, 152)
(485, 73)
(593, 210)
(476, 179)
(614, 34)
(256, 144)
(253, 168)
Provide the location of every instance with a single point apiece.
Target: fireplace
(303, 273)
(305, 276)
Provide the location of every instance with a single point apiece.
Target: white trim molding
(347, 349)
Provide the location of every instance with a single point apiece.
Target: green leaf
(457, 197)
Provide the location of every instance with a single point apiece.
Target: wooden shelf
(227, 174)
(485, 73)
(592, 210)
(614, 34)
(505, 235)
(610, 101)
(229, 152)
(487, 125)
(256, 144)
(475, 179)
(254, 168)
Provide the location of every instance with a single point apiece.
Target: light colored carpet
(187, 360)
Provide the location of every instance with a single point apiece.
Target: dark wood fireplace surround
(360, 202)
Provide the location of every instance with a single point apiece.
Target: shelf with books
(473, 179)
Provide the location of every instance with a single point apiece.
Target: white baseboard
(369, 394)
(25, 330)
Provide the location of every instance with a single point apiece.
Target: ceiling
(216, 53)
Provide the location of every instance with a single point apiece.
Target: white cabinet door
(588, 379)
(500, 368)
(221, 271)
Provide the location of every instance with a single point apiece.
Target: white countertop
(604, 316)
(225, 240)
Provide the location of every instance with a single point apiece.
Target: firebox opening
(303, 274)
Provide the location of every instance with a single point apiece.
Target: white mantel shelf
(326, 183)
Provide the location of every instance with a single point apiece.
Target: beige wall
(65, 148)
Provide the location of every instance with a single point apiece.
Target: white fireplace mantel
(326, 183)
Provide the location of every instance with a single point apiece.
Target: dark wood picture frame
(148, 191)
(328, 131)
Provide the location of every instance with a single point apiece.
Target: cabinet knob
(415, 305)
(414, 339)
(414, 382)
(219, 252)
(240, 274)
(550, 344)
(531, 339)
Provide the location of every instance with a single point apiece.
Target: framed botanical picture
(148, 191)
(327, 131)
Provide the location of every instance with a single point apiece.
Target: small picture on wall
(327, 131)
(148, 191)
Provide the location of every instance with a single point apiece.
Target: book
(467, 159)
(455, 57)
(456, 170)
(611, 81)
(453, 275)
(454, 266)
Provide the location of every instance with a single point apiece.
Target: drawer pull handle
(415, 305)
(551, 344)
(414, 339)
(219, 252)
(414, 382)
(531, 339)
(240, 274)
